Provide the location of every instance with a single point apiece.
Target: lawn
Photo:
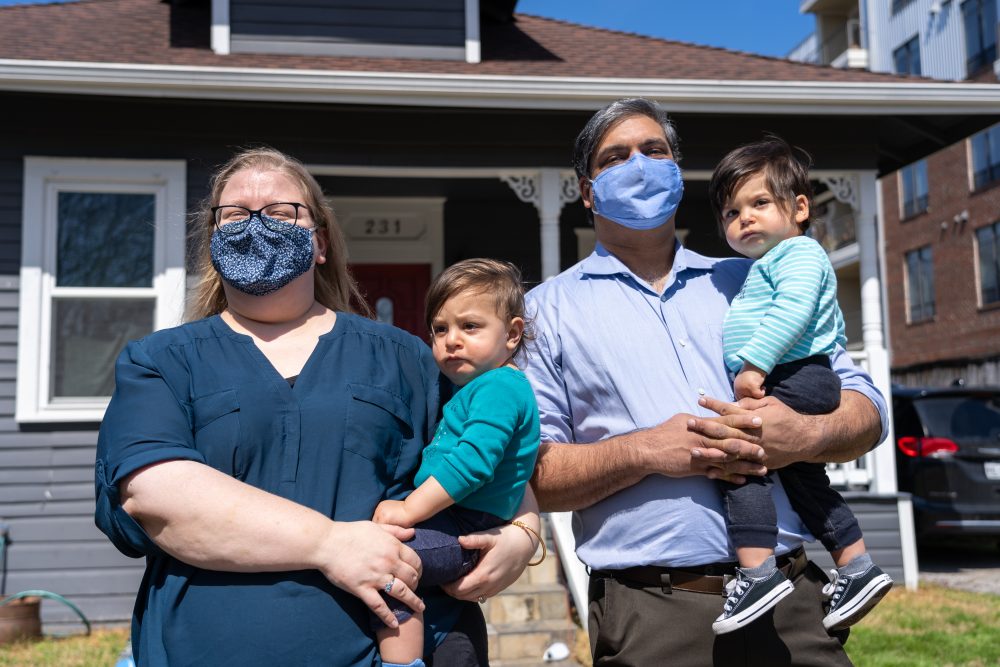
(933, 627)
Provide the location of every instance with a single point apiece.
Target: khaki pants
(633, 625)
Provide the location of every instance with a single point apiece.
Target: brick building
(943, 306)
(941, 250)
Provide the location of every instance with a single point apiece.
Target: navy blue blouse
(347, 435)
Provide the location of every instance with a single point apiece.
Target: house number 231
(383, 227)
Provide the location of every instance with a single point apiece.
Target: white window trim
(44, 177)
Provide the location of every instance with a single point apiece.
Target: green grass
(100, 649)
(933, 627)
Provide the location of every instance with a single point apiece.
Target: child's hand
(750, 382)
(393, 512)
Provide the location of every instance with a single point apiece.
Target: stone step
(532, 662)
(525, 602)
(528, 641)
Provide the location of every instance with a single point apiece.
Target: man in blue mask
(634, 397)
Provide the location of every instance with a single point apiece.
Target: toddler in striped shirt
(778, 336)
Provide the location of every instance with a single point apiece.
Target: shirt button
(701, 392)
(683, 342)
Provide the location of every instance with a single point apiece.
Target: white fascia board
(525, 92)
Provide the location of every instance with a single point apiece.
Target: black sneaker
(851, 597)
(749, 599)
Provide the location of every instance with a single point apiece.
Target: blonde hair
(333, 284)
(495, 279)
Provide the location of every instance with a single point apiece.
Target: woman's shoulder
(352, 323)
(180, 335)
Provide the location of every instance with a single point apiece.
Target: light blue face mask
(640, 193)
(258, 260)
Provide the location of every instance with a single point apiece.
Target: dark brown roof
(157, 33)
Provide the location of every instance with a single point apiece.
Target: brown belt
(697, 579)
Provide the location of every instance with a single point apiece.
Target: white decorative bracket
(845, 189)
(525, 185)
(548, 190)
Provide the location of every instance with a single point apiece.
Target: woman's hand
(364, 558)
(504, 552)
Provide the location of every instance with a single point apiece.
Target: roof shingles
(151, 32)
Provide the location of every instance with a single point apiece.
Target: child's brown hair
(785, 169)
(495, 278)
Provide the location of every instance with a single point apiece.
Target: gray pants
(644, 625)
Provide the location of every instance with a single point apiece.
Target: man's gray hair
(605, 119)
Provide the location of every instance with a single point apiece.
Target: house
(441, 129)
(941, 212)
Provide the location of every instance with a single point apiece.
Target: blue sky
(767, 27)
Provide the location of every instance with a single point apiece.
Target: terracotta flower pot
(20, 619)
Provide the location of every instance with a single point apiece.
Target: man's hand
(720, 448)
(786, 435)
(393, 512)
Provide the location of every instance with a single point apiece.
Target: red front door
(395, 293)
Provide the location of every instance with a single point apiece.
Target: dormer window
(420, 29)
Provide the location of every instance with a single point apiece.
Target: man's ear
(586, 193)
(514, 332)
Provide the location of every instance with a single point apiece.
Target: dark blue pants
(442, 557)
(808, 386)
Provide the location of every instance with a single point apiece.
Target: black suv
(948, 457)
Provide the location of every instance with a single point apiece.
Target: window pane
(980, 158)
(87, 336)
(970, 18)
(921, 180)
(105, 239)
(907, 178)
(913, 285)
(927, 281)
(986, 238)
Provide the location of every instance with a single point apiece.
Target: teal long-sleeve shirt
(786, 310)
(484, 450)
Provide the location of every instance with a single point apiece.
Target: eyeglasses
(278, 217)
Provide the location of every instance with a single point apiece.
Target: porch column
(859, 190)
(872, 329)
(548, 190)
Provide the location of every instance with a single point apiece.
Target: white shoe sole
(748, 616)
(865, 601)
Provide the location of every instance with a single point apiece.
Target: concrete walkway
(965, 566)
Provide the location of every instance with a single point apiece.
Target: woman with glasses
(243, 453)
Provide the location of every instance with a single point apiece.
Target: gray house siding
(386, 28)
(879, 520)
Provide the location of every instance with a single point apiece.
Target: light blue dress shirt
(612, 356)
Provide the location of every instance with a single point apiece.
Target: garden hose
(33, 593)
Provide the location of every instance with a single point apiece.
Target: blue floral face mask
(258, 260)
(640, 193)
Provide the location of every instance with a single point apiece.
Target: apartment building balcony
(839, 40)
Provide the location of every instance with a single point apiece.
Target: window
(988, 240)
(907, 57)
(920, 284)
(985, 157)
(980, 19)
(913, 187)
(102, 263)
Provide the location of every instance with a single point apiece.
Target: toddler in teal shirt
(473, 473)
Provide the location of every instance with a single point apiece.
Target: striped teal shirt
(786, 310)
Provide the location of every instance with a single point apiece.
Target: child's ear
(801, 209)
(514, 333)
